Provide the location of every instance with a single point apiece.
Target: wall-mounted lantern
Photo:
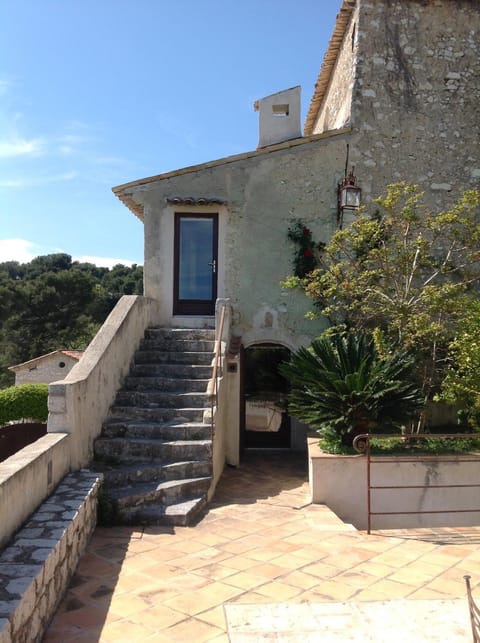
(349, 196)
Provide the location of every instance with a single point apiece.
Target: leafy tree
(406, 271)
(53, 303)
(343, 386)
(461, 385)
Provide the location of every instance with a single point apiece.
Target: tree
(461, 385)
(52, 303)
(405, 271)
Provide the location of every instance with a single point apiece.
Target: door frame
(197, 307)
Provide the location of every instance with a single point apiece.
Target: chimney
(279, 118)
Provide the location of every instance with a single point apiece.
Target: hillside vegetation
(55, 303)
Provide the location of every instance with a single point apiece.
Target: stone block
(5, 631)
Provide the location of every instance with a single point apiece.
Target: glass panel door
(195, 274)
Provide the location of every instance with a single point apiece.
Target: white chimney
(279, 118)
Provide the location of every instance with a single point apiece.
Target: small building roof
(68, 353)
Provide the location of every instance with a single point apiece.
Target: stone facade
(415, 99)
(397, 97)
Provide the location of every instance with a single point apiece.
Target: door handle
(213, 264)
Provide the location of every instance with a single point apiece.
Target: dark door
(265, 423)
(195, 264)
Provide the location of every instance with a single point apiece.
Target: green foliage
(406, 271)
(306, 255)
(29, 401)
(461, 385)
(427, 445)
(52, 303)
(342, 386)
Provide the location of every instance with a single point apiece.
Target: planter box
(340, 482)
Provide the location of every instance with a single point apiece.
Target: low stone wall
(36, 567)
(426, 491)
(28, 477)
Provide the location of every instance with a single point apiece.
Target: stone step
(149, 471)
(157, 415)
(153, 430)
(161, 399)
(177, 345)
(120, 450)
(172, 371)
(180, 385)
(166, 493)
(173, 357)
(180, 333)
(181, 513)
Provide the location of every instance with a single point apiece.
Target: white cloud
(38, 181)
(21, 147)
(19, 250)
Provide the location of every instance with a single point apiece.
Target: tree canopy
(53, 303)
(405, 272)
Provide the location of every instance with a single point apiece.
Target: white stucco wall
(340, 482)
(263, 195)
(46, 370)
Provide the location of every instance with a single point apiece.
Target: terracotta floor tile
(278, 591)
(239, 562)
(125, 631)
(168, 584)
(159, 617)
(127, 604)
(321, 571)
(245, 580)
(215, 616)
(192, 630)
(392, 589)
(300, 579)
(332, 590)
(192, 603)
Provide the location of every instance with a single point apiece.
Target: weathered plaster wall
(46, 371)
(416, 99)
(336, 108)
(264, 194)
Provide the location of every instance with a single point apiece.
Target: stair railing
(212, 389)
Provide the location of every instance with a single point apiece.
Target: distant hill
(53, 303)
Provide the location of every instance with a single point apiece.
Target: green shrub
(28, 401)
(342, 387)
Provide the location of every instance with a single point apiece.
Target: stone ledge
(37, 565)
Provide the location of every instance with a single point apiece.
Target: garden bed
(425, 490)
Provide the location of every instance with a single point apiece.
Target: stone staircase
(155, 448)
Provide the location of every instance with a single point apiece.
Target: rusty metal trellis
(362, 445)
(474, 612)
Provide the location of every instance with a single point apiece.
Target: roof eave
(328, 64)
(125, 191)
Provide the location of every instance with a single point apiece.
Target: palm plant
(342, 387)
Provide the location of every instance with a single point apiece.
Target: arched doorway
(265, 424)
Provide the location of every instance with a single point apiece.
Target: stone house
(46, 368)
(397, 98)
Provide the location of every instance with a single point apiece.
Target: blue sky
(96, 93)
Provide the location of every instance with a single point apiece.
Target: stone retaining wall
(37, 565)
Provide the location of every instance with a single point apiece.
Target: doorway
(195, 264)
(265, 424)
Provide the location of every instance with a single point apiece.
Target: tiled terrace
(261, 544)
